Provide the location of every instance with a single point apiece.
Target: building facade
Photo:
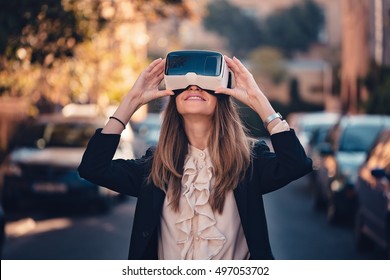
(379, 31)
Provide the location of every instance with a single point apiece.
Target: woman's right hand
(145, 88)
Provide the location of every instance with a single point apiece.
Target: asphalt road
(296, 232)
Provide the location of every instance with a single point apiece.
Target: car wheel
(362, 242)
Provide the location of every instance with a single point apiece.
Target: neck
(198, 131)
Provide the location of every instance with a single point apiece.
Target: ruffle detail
(196, 182)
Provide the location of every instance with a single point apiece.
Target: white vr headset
(205, 69)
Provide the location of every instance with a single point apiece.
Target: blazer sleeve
(287, 163)
(120, 175)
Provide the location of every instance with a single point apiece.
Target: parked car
(319, 137)
(42, 166)
(373, 193)
(306, 124)
(311, 129)
(349, 142)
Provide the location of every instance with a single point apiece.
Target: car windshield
(358, 138)
(69, 134)
(55, 135)
(309, 128)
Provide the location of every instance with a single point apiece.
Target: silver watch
(270, 118)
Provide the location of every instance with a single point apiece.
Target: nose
(193, 87)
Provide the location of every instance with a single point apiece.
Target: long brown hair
(228, 145)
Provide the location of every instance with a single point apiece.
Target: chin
(193, 113)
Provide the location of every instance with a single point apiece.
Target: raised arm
(97, 165)
(248, 92)
(288, 162)
(144, 90)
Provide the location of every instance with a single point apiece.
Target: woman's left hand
(246, 89)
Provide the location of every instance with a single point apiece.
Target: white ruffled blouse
(196, 231)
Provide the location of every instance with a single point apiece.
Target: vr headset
(205, 69)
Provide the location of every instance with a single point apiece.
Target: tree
(66, 51)
(268, 62)
(50, 29)
(44, 30)
(292, 29)
(242, 32)
(295, 28)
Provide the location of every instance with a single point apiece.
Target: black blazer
(268, 171)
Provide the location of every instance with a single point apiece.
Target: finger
(156, 80)
(223, 90)
(231, 64)
(240, 65)
(158, 68)
(165, 92)
(154, 76)
(153, 64)
(161, 76)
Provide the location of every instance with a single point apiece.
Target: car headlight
(13, 169)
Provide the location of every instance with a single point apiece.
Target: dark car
(349, 142)
(373, 193)
(319, 137)
(311, 129)
(42, 166)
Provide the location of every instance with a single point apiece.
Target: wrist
(271, 118)
(131, 102)
(263, 107)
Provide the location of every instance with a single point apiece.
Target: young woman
(200, 190)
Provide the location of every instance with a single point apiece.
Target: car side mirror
(378, 173)
(325, 149)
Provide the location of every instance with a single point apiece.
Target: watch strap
(271, 117)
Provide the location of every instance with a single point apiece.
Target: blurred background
(66, 64)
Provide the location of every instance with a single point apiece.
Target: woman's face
(197, 102)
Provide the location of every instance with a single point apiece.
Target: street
(296, 232)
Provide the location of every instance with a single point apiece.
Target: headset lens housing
(205, 63)
(203, 68)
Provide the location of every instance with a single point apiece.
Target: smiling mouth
(195, 97)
